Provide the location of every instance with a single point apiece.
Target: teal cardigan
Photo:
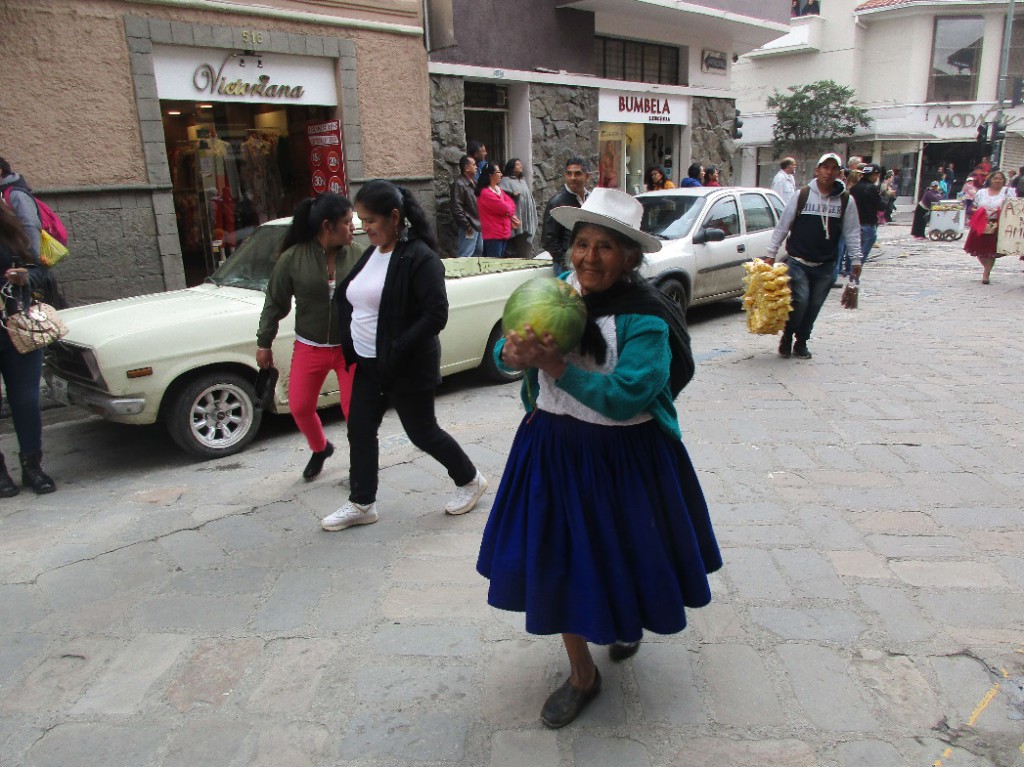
(638, 384)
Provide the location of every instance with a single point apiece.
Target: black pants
(416, 412)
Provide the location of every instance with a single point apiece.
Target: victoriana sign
(208, 74)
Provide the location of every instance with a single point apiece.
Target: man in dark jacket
(14, 189)
(464, 210)
(554, 236)
(869, 204)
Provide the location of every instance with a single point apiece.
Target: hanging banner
(326, 154)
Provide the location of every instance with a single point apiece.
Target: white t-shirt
(364, 294)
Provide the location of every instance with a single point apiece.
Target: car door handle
(741, 248)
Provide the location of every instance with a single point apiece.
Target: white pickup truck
(187, 357)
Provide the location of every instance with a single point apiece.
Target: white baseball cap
(831, 156)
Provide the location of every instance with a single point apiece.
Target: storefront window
(235, 166)
(956, 58)
(1015, 64)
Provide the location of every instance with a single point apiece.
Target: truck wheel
(214, 415)
(677, 291)
(490, 367)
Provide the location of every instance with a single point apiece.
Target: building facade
(625, 84)
(171, 128)
(927, 71)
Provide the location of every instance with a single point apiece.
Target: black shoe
(786, 345)
(316, 462)
(32, 474)
(7, 487)
(566, 703)
(800, 350)
(619, 651)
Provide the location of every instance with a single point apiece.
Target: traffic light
(1018, 92)
(737, 123)
(982, 133)
(998, 131)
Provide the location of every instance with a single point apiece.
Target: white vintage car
(708, 233)
(187, 357)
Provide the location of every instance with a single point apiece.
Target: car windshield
(670, 217)
(250, 266)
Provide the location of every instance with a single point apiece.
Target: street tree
(811, 119)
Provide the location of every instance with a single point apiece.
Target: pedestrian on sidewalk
(983, 235)
(599, 529)
(392, 306)
(870, 206)
(811, 225)
(923, 210)
(464, 210)
(20, 372)
(497, 210)
(515, 183)
(316, 253)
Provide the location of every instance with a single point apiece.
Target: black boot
(32, 474)
(7, 487)
(316, 462)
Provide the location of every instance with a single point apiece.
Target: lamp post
(999, 127)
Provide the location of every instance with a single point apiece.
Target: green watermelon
(548, 305)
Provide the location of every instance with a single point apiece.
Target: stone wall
(564, 122)
(711, 136)
(448, 136)
(114, 250)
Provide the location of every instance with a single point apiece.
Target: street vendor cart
(947, 220)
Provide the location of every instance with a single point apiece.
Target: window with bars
(637, 61)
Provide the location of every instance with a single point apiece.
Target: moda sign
(209, 74)
(631, 107)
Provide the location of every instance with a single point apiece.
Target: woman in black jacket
(391, 307)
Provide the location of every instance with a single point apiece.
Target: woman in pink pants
(317, 254)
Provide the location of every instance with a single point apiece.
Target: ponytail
(383, 197)
(310, 215)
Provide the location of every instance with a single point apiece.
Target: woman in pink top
(497, 210)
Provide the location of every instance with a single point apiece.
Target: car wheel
(677, 291)
(214, 415)
(490, 367)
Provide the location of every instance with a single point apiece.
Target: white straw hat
(613, 209)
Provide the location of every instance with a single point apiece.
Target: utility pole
(999, 126)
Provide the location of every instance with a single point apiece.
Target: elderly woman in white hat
(599, 529)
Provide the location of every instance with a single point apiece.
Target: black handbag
(266, 382)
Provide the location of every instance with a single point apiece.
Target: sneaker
(465, 497)
(786, 346)
(316, 462)
(348, 515)
(800, 350)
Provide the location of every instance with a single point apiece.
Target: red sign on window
(326, 154)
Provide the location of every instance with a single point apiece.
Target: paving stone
(428, 571)
(16, 650)
(972, 608)
(429, 640)
(666, 685)
(191, 549)
(825, 690)
(345, 607)
(810, 573)
(724, 752)
(511, 748)
(859, 564)
(592, 751)
(899, 689)
(98, 745)
(903, 620)
(294, 668)
(403, 737)
(949, 574)
(61, 676)
(824, 624)
(827, 524)
(291, 601)
(903, 522)
(207, 741)
(210, 676)
(967, 684)
(755, 575)
(716, 622)
(437, 685)
(444, 545)
(916, 546)
(870, 753)
(981, 518)
(517, 681)
(124, 683)
(293, 744)
(451, 602)
(210, 613)
(740, 687)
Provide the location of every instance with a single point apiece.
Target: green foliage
(812, 118)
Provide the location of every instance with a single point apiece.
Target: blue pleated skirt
(600, 531)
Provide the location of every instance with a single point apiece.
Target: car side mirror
(708, 234)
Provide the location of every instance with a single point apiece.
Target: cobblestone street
(157, 612)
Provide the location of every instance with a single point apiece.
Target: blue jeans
(810, 286)
(21, 374)
(495, 248)
(868, 235)
(841, 259)
(470, 246)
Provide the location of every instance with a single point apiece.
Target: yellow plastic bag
(767, 297)
(51, 251)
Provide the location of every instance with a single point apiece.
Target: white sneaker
(465, 497)
(348, 515)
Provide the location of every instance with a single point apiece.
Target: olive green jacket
(301, 272)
